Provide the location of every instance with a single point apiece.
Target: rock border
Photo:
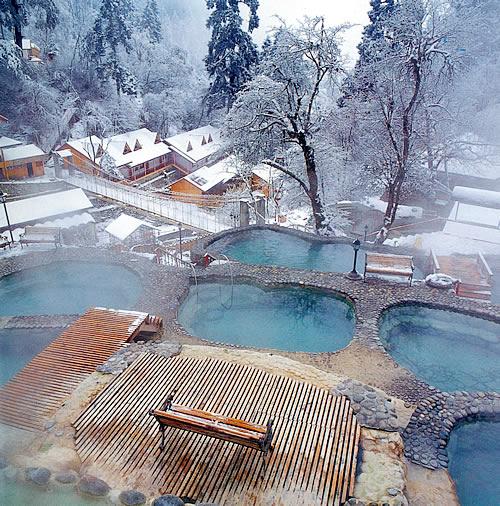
(426, 435)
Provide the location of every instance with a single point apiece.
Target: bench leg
(162, 444)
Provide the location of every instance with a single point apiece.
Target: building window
(126, 149)
(137, 145)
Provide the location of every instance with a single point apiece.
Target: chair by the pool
(389, 265)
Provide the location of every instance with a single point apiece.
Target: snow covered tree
(150, 22)
(278, 116)
(394, 91)
(14, 15)
(231, 51)
(109, 37)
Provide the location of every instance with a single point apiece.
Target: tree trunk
(312, 177)
(18, 36)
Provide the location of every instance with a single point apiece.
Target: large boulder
(168, 500)
(66, 477)
(132, 498)
(90, 485)
(37, 475)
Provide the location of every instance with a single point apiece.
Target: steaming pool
(451, 351)
(271, 247)
(68, 288)
(474, 453)
(19, 346)
(289, 319)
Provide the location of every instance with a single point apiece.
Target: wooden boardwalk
(38, 389)
(316, 434)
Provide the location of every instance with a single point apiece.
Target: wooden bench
(48, 235)
(258, 437)
(389, 265)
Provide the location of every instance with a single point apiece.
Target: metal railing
(189, 214)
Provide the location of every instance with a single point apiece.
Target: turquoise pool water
(19, 346)
(23, 494)
(451, 351)
(474, 452)
(291, 319)
(68, 288)
(270, 247)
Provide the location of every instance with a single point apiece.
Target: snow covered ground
(443, 244)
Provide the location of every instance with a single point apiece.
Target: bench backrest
(42, 230)
(389, 260)
(234, 430)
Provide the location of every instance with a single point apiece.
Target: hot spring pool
(19, 346)
(68, 288)
(474, 452)
(451, 351)
(270, 247)
(22, 494)
(290, 319)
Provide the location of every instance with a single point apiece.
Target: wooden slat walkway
(461, 267)
(42, 385)
(316, 434)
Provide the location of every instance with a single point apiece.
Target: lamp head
(356, 244)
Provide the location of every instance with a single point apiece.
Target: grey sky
(334, 11)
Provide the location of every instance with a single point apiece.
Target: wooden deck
(316, 434)
(38, 389)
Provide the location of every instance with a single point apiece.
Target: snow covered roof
(130, 148)
(45, 206)
(22, 151)
(476, 196)
(6, 142)
(479, 215)
(467, 231)
(68, 221)
(209, 176)
(266, 172)
(125, 225)
(198, 143)
(402, 211)
(64, 153)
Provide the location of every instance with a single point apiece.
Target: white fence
(212, 220)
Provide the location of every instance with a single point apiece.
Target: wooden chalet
(134, 155)
(19, 161)
(194, 149)
(31, 51)
(209, 180)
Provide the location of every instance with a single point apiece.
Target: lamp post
(366, 233)
(3, 200)
(180, 239)
(354, 274)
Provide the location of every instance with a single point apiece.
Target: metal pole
(4, 201)
(180, 239)
(366, 233)
(355, 261)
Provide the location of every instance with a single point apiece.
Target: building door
(30, 169)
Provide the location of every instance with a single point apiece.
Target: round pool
(448, 350)
(474, 452)
(272, 247)
(68, 288)
(290, 319)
